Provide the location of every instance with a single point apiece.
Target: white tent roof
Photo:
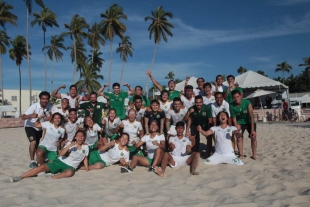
(251, 79)
(7, 108)
(192, 82)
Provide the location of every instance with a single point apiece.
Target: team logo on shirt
(134, 126)
(184, 140)
(157, 116)
(245, 111)
(182, 115)
(95, 131)
(115, 124)
(140, 113)
(83, 151)
(228, 130)
(98, 107)
(193, 103)
(120, 99)
(166, 107)
(58, 132)
(76, 124)
(204, 113)
(122, 154)
(224, 110)
(112, 99)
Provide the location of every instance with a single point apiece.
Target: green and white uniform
(71, 128)
(139, 114)
(132, 129)
(150, 147)
(92, 137)
(97, 111)
(58, 109)
(110, 127)
(175, 118)
(216, 109)
(229, 97)
(241, 113)
(50, 139)
(188, 103)
(118, 103)
(173, 94)
(113, 155)
(145, 101)
(179, 154)
(208, 101)
(165, 106)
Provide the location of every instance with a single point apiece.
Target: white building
(12, 96)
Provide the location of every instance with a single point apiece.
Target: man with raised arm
(231, 86)
(139, 92)
(117, 98)
(72, 95)
(171, 85)
(40, 110)
(218, 84)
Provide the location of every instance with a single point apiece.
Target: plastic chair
(299, 114)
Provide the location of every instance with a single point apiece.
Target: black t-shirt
(160, 114)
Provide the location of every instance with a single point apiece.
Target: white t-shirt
(92, 135)
(176, 117)
(71, 100)
(139, 114)
(76, 155)
(71, 128)
(198, 92)
(132, 129)
(110, 127)
(180, 145)
(149, 145)
(220, 88)
(113, 155)
(59, 110)
(36, 107)
(208, 101)
(223, 140)
(51, 136)
(165, 106)
(217, 109)
(188, 103)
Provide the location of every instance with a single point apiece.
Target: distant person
(218, 84)
(139, 92)
(40, 110)
(137, 105)
(188, 99)
(164, 101)
(208, 99)
(285, 109)
(72, 95)
(171, 85)
(199, 90)
(268, 101)
(231, 86)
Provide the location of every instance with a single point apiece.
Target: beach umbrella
(259, 93)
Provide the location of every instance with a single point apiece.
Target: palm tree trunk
(146, 89)
(28, 59)
(52, 82)
(92, 57)
(20, 92)
(283, 76)
(109, 75)
(45, 75)
(75, 62)
(2, 90)
(120, 81)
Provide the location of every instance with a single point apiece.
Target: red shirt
(284, 105)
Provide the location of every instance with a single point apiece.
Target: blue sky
(209, 38)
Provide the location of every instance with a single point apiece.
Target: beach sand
(280, 178)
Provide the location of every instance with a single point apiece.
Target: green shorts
(112, 137)
(93, 147)
(149, 160)
(51, 155)
(94, 157)
(57, 166)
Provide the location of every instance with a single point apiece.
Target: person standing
(218, 84)
(285, 109)
(139, 92)
(268, 101)
(37, 110)
(231, 86)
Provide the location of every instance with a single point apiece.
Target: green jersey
(200, 117)
(97, 111)
(241, 113)
(229, 97)
(118, 103)
(173, 94)
(145, 101)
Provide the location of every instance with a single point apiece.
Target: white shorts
(179, 161)
(218, 159)
(173, 132)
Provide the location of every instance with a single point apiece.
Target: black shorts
(285, 111)
(33, 134)
(195, 132)
(247, 127)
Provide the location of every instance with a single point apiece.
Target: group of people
(154, 134)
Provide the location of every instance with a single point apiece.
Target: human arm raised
(55, 92)
(158, 86)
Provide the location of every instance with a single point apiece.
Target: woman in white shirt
(155, 145)
(53, 133)
(164, 101)
(64, 165)
(109, 154)
(92, 131)
(111, 124)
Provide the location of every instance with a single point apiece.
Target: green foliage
(284, 67)
(89, 77)
(241, 70)
(262, 73)
(5, 14)
(54, 101)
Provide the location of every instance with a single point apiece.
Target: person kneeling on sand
(224, 153)
(109, 154)
(179, 155)
(155, 146)
(65, 165)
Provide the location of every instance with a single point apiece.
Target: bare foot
(241, 157)
(254, 157)
(195, 173)
(159, 172)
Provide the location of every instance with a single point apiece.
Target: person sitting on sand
(111, 124)
(180, 152)
(224, 153)
(176, 113)
(65, 165)
(109, 154)
(92, 131)
(52, 137)
(155, 145)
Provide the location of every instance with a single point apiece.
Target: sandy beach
(281, 177)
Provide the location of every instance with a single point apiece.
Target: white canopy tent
(192, 82)
(6, 108)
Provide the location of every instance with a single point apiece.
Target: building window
(14, 98)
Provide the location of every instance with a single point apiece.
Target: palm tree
(76, 27)
(47, 18)
(29, 10)
(124, 48)
(94, 38)
(18, 53)
(306, 63)
(5, 15)
(95, 59)
(78, 55)
(53, 52)
(262, 73)
(159, 28)
(111, 26)
(89, 77)
(284, 67)
(170, 75)
(241, 70)
(4, 43)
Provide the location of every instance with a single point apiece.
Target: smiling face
(138, 103)
(112, 115)
(138, 91)
(57, 119)
(43, 101)
(154, 107)
(164, 97)
(79, 138)
(116, 90)
(207, 90)
(188, 93)
(171, 85)
(180, 130)
(219, 80)
(223, 117)
(89, 122)
(219, 99)
(123, 140)
(64, 103)
(132, 115)
(198, 103)
(177, 105)
(93, 98)
(153, 126)
(237, 98)
(73, 91)
(72, 116)
(200, 83)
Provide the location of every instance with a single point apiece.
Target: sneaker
(151, 169)
(15, 179)
(126, 169)
(33, 165)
